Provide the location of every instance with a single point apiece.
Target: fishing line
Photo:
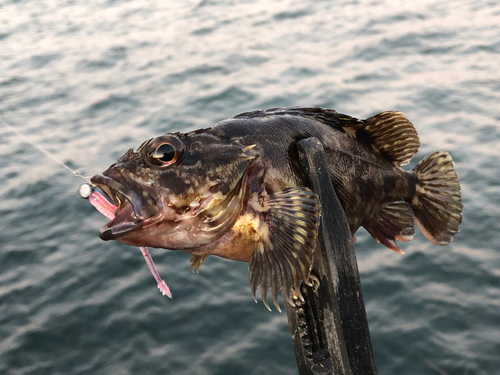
(75, 172)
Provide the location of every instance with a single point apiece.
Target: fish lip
(130, 195)
(112, 233)
(130, 213)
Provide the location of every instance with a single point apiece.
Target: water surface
(88, 80)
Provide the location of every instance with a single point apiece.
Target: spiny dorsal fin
(326, 116)
(283, 255)
(393, 135)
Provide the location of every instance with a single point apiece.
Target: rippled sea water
(89, 80)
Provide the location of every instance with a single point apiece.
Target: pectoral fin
(285, 244)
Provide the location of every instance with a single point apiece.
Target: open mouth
(131, 210)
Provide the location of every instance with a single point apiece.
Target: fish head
(177, 191)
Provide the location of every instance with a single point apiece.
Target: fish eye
(165, 151)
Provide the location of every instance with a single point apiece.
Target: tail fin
(437, 205)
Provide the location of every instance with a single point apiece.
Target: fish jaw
(133, 207)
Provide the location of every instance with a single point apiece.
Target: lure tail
(108, 209)
(437, 204)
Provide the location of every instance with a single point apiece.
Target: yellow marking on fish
(298, 238)
(302, 231)
(263, 229)
(246, 220)
(300, 215)
(420, 190)
(260, 247)
(248, 148)
(252, 226)
(349, 130)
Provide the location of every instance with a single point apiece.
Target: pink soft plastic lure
(108, 209)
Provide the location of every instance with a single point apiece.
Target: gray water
(87, 80)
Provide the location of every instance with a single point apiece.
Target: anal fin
(283, 254)
(393, 222)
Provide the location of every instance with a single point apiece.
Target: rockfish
(237, 190)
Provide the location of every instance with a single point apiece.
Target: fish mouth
(133, 207)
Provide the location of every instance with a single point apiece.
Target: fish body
(237, 190)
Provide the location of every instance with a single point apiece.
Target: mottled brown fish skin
(237, 190)
(363, 180)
